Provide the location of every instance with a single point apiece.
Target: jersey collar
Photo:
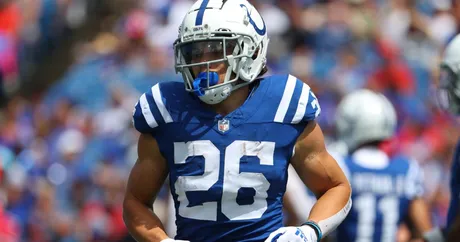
(239, 115)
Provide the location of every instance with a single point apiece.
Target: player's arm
(324, 177)
(145, 181)
(420, 216)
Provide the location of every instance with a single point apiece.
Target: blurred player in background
(450, 99)
(386, 189)
(226, 139)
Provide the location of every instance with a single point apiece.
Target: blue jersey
(228, 174)
(383, 188)
(454, 188)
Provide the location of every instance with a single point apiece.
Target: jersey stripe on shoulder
(151, 112)
(302, 105)
(147, 112)
(286, 99)
(160, 104)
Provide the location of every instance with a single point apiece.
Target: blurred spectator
(8, 65)
(9, 228)
(10, 18)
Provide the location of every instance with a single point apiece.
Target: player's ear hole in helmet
(265, 68)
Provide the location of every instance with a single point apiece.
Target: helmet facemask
(224, 47)
(448, 92)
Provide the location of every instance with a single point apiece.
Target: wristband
(315, 227)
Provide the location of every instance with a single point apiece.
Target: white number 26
(233, 179)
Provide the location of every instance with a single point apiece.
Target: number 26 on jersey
(233, 179)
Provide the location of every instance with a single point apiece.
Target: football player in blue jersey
(227, 138)
(386, 189)
(450, 99)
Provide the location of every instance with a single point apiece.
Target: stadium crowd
(65, 153)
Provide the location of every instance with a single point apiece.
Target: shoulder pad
(296, 102)
(150, 111)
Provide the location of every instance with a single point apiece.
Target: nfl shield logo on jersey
(224, 125)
